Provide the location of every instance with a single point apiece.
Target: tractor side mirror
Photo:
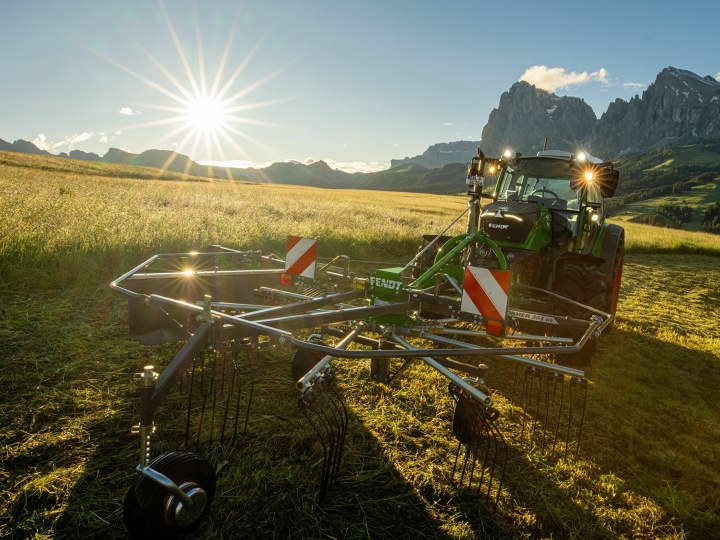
(607, 180)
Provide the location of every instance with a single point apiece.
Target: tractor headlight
(589, 176)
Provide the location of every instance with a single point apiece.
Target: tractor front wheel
(150, 512)
(585, 284)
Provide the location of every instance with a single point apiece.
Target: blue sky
(356, 83)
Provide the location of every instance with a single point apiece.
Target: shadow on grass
(647, 468)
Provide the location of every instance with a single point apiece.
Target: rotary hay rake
(226, 305)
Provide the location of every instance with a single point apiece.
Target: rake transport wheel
(302, 362)
(613, 287)
(150, 512)
(584, 283)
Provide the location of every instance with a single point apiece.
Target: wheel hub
(177, 514)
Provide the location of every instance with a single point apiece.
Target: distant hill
(439, 155)
(25, 147)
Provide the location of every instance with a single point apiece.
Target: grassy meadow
(699, 197)
(649, 465)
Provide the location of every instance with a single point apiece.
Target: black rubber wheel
(612, 288)
(584, 283)
(302, 362)
(150, 512)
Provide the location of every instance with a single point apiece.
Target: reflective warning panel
(301, 256)
(485, 292)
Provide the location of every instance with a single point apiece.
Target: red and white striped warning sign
(485, 292)
(301, 256)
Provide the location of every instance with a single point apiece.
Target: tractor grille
(509, 221)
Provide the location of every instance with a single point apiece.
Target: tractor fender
(603, 243)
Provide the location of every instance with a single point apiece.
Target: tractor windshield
(544, 181)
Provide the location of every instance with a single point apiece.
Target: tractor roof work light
(581, 156)
(507, 154)
(589, 176)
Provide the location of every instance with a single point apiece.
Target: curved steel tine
(570, 400)
(512, 394)
(189, 405)
(475, 437)
(345, 419)
(204, 400)
(463, 404)
(487, 453)
(213, 387)
(233, 369)
(539, 375)
(584, 386)
(305, 408)
(491, 474)
(504, 466)
(337, 429)
(559, 413)
(252, 390)
(528, 370)
(553, 375)
(328, 465)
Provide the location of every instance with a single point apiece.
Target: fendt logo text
(498, 226)
(385, 283)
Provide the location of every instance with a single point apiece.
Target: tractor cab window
(543, 181)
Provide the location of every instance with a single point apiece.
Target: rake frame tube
(483, 398)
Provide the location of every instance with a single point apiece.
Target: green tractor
(546, 217)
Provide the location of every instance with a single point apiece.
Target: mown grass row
(67, 400)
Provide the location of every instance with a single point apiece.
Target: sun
(203, 110)
(206, 115)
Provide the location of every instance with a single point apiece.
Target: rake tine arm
(477, 394)
(322, 364)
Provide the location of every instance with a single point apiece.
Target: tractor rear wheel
(613, 287)
(584, 283)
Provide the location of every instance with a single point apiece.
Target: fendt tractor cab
(546, 216)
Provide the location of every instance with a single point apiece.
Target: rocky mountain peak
(678, 106)
(526, 115)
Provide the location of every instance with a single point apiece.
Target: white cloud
(394, 144)
(174, 144)
(42, 143)
(551, 79)
(344, 145)
(635, 86)
(447, 123)
(127, 111)
(103, 139)
(118, 132)
(717, 76)
(70, 140)
(357, 166)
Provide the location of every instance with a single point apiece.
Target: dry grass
(650, 463)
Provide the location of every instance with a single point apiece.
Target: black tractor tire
(147, 505)
(612, 289)
(302, 362)
(585, 283)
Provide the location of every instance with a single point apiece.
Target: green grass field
(649, 468)
(699, 197)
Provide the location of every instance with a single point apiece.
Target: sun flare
(206, 115)
(204, 110)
